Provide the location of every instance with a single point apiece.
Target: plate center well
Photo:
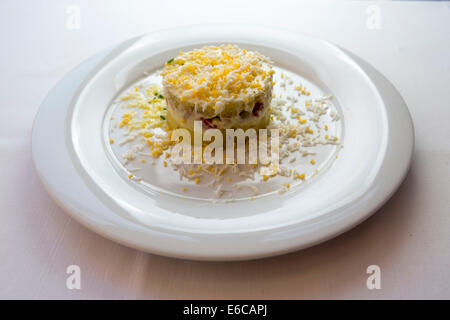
(131, 138)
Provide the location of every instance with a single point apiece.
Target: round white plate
(70, 155)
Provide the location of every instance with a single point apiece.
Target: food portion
(222, 86)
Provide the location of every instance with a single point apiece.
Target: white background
(409, 238)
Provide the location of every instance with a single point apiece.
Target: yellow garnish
(214, 73)
(124, 122)
(147, 134)
(156, 153)
(294, 133)
(302, 121)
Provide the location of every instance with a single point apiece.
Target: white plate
(70, 155)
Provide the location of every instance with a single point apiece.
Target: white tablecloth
(409, 42)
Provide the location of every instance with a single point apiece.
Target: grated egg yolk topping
(217, 73)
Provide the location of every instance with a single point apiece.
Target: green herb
(162, 117)
(161, 96)
(170, 61)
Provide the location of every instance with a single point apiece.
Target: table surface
(408, 238)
